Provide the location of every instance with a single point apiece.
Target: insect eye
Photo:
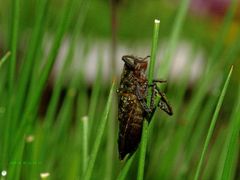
(129, 61)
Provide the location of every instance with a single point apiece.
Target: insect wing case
(130, 111)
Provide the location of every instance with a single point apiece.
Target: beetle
(132, 103)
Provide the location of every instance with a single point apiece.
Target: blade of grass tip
(228, 161)
(85, 142)
(99, 133)
(212, 125)
(122, 175)
(143, 146)
(4, 58)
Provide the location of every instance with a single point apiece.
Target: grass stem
(143, 146)
(85, 142)
(212, 125)
(4, 58)
(99, 137)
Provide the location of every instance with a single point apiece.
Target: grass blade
(35, 91)
(67, 63)
(231, 145)
(28, 62)
(122, 175)
(99, 133)
(143, 146)
(85, 142)
(212, 125)
(13, 42)
(4, 58)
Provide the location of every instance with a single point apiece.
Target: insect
(132, 103)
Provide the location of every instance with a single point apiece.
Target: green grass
(72, 134)
(143, 145)
(212, 125)
(92, 157)
(4, 58)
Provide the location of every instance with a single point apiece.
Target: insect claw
(146, 57)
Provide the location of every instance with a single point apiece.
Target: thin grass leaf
(11, 75)
(143, 145)
(123, 174)
(35, 91)
(85, 140)
(95, 94)
(171, 153)
(212, 125)
(99, 134)
(209, 74)
(227, 164)
(216, 147)
(33, 48)
(111, 142)
(4, 58)
(67, 62)
(14, 40)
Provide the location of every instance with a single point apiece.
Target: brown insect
(132, 103)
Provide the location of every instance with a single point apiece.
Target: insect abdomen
(131, 120)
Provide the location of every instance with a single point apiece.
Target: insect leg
(163, 103)
(155, 90)
(159, 81)
(142, 100)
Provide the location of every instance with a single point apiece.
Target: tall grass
(143, 146)
(212, 125)
(75, 137)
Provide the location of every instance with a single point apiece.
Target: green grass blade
(99, 134)
(95, 94)
(212, 125)
(232, 143)
(143, 149)
(4, 58)
(122, 175)
(85, 141)
(68, 61)
(12, 66)
(26, 69)
(35, 91)
(143, 146)
(111, 142)
(13, 41)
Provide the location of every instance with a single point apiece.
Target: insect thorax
(129, 81)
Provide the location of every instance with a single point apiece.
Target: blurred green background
(59, 59)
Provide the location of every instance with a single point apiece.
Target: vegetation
(73, 134)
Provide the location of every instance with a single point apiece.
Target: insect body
(132, 103)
